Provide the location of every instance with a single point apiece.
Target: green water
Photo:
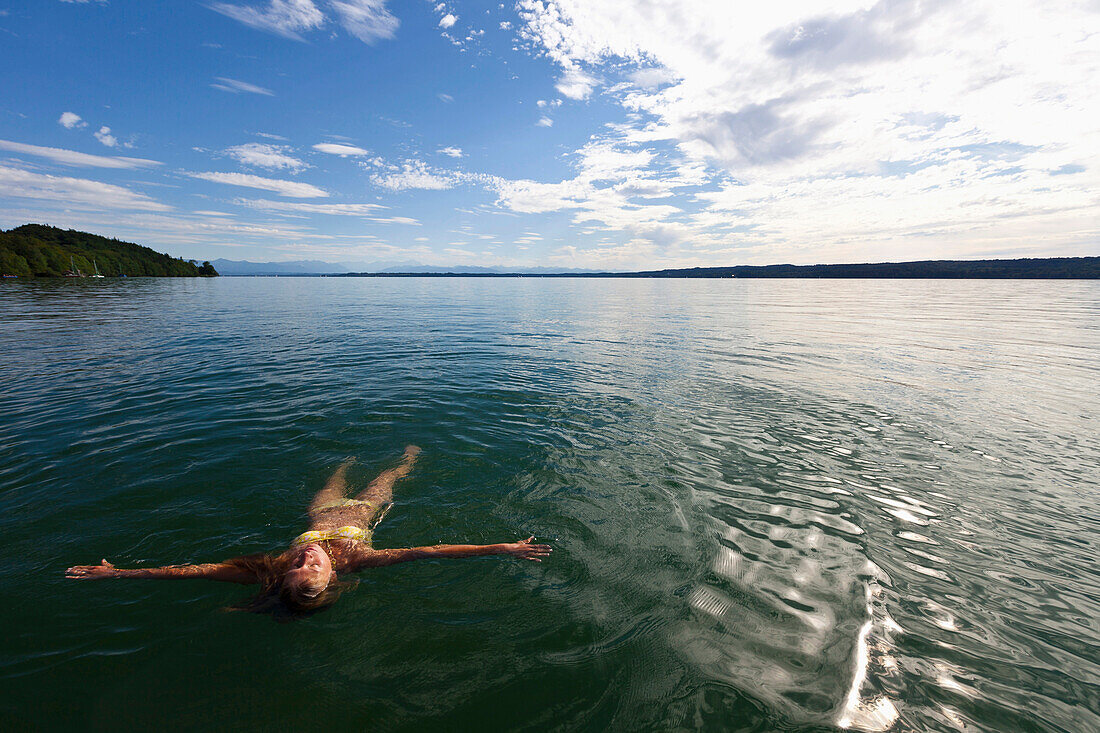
(787, 505)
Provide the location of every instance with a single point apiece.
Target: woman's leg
(335, 488)
(380, 491)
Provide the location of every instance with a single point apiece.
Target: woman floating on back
(303, 579)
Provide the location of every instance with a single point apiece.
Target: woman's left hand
(527, 551)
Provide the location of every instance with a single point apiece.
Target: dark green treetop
(36, 250)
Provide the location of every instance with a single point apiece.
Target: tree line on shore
(1035, 268)
(37, 250)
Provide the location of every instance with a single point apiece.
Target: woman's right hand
(92, 572)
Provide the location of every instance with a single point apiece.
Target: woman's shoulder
(347, 553)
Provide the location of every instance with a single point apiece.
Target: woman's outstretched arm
(524, 549)
(224, 571)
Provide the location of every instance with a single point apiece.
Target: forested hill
(35, 250)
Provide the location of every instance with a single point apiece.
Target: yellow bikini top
(340, 533)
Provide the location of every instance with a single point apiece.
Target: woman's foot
(380, 491)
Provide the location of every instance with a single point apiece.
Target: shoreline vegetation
(37, 250)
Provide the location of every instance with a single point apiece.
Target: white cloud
(69, 120)
(362, 211)
(234, 86)
(407, 221)
(291, 189)
(104, 135)
(272, 157)
(531, 197)
(447, 21)
(415, 174)
(544, 122)
(289, 207)
(78, 193)
(651, 78)
(505, 25)
(288, 18)
(445, 98)
(72, 157)
(612, 174)
(576, 84)
(869, 129)
(367, 20)
(451, 151)
(339, 149)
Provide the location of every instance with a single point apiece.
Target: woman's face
(310, 568)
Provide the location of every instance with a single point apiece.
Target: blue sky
(618, 134)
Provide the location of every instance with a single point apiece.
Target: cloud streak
(367, 20)
(287, 207)
(287, 18)
(74, 158)
(235, 86)
(78, 193)
(340, 149)
(290, 189)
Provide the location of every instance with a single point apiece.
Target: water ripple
(793, 505)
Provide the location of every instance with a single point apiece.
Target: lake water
(787, 504)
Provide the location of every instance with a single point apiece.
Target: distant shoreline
(36, 250)
(1047, 268)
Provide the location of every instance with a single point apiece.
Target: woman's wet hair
(284, 601)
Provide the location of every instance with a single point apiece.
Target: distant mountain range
(317, 267)
(296, 267)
